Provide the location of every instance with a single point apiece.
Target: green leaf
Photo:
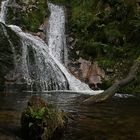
(41, 112)
(30, 124)
(32, 112)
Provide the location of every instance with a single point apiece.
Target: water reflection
(117, 119)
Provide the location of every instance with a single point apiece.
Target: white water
(42, 50)
(57, 45)
(45, 68)
(56, 33)
(48, 69)
(3, 11)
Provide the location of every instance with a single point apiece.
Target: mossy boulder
(41, 121)
(9, 44)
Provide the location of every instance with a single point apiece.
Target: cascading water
(3, 11)
(41, 65)
(57, 45)
(56, 33)
(38, 67)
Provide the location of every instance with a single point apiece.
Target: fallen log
(108, 93)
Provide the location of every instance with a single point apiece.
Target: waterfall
(56, 33)
(3, 11)
(42, 65)
(47, 66)
(37, 65)
(57, 45)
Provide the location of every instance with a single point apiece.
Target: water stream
(3, 10)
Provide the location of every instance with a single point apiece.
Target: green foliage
(41, 120)
(136, 22)
(133, 87)
(95, 49)
(33, 19)
(30, 17)
(112, 32)
(106, 84)
(138, 59)
(106, 63)
(37, 114)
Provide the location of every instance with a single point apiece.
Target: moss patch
(29, 15)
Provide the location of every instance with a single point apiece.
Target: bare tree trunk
(116, 86)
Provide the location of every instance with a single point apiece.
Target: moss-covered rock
(9, 42)
(41, 121)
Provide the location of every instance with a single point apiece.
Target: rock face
(91, 72)
(95, 74)
(11, 75)
(9, 42)
(88, 71)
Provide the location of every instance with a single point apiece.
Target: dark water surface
(117, 119)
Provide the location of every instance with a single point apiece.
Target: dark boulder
(9, 44)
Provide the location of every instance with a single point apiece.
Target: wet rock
(11, 74)
(95, 74)
(6, 52)
(41, 35)
(84, 67)
(91, 72)
(87, 71)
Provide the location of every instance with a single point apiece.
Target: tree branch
(116, 86)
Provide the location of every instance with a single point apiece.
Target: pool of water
(116, 119)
